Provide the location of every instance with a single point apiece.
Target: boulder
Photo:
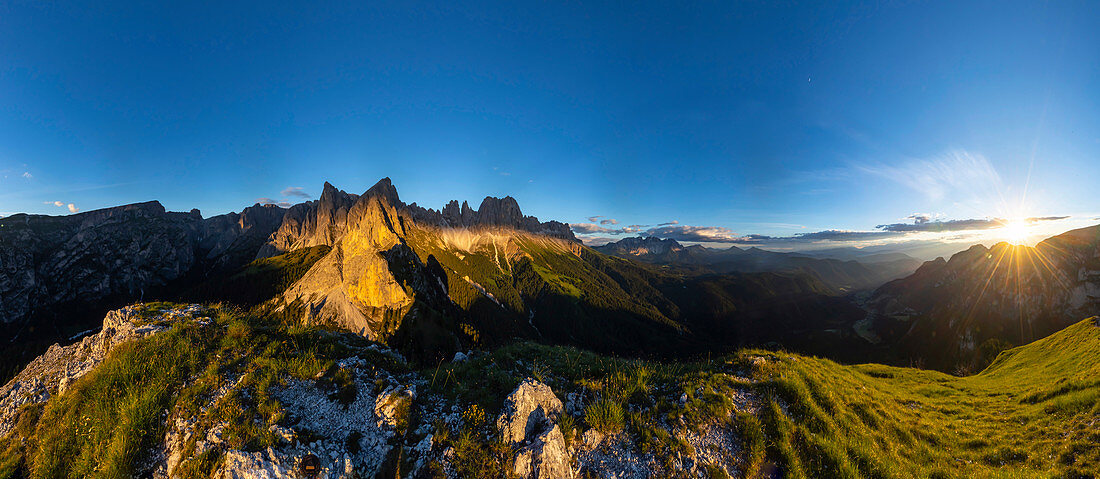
(529, 410)
(392, 404)
(547, 457)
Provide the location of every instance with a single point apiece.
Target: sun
(1015, 232)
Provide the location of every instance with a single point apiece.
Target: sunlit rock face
(312, 223)
(353, 286)
(948, 309)
(373, 276)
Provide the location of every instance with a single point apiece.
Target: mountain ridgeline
(60, 274)
(842, 276)
(432, 282)
(368, 337)
(961, 312)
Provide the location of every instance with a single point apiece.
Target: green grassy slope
(108, 421)
(1034, 413)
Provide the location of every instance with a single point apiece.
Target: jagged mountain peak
(384, 189)
(326, 220)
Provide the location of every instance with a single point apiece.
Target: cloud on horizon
(605, 221)
(593, 228)
(295, 191)
(921, 223)
(698, 234)
(595, 234)
(269, 201)
(73, 208)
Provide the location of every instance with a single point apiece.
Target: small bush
(473, 417)
(605, 415)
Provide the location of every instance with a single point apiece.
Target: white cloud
(73, 208)
(294, 191)
(701, 234)
(27, 175)
(55, 203)
(269, 201)
(955, 174)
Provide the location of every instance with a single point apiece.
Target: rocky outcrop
(531, 408)
(353, 285)
(60, 366)
(529, 422)
(392, 406)
(348, 439)
(546, 457)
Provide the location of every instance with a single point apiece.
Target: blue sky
(730, 119)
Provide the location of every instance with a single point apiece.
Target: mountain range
(842, 275)
(432, 282)
(963, 311)
(372, 337)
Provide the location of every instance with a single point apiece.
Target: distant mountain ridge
(963, 310)
(431, 282)
(49, 260)
(843, 276)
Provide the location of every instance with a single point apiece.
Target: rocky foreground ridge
(187, 391)
(360, 414)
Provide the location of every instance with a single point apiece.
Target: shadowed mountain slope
(962, 311)
(60, 274)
